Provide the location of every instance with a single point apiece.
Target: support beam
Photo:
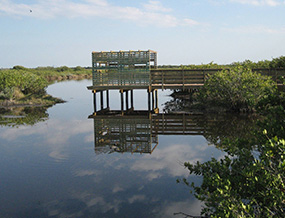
(127, 100)
(122, 99)
(94, 101)
(101, 100)
(156, 99)
(132, 99)
(108, 100)
(148, 100)
(152, 100)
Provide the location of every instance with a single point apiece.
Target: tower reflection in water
(137, 131)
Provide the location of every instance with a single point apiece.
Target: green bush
(62, 68)
(236, 89)
(243, 185)
(27, 83)
(18, 67)
(78, 68)
(253, 65)
(278, 63)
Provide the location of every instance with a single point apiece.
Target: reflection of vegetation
(222, 128)
(218, 128)
(250, 180)
(176, 105)
(22, 116)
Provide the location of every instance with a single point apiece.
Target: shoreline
(44, 100)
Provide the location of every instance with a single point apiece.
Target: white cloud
(170, 159)
(188, 207)
(56, 134)
(100, 203)
(136, 198)
(152, 13)
(117, 188)
(86, 172)
(260, 2)
(156, 6)
(99, 2)
(190, 22)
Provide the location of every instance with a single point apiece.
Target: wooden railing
(191, 78)
(165, 78)
(179, 78)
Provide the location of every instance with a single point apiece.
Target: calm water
(51, 168)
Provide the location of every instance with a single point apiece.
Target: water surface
(51, 169)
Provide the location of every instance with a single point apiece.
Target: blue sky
(65, 32)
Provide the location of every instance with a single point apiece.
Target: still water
(53, 168)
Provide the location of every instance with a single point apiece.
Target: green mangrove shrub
(78, 68)
(243, 185)
(62, 69)
(236, 89)
(12, 81)
(249, 181)
(278, 62)
(19, 67)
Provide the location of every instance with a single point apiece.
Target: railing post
(122, 99)
(108, 102)
(152, 95)
(183, 78)
(127, 99)
(150, 78)
(132, 99)
(148, 99)
(162, 80)
(156, 99)
(94, 101)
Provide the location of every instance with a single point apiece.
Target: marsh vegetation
(25, 86)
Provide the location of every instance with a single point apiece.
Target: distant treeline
(55, 73)
(275, 63)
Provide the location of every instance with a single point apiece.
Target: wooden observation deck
(127, 70)
(122, 69)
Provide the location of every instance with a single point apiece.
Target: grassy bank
(22, 86)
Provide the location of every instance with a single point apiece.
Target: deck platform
(128, 70)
